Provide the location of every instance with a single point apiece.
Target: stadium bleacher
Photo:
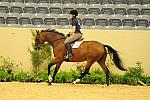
(101, 14)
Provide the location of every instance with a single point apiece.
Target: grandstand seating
(24, 20)
(108, 11)
(144, 2)
(5, 1)
(4, 9)
(106, 1)
(11, 20)
(121, 11)
(133, 11)
(82, 10)
(15, 9)
(42, 1)
(21, 1)
(119, 1)
(95, 11)
(37, 21)
(67, 10)
(102, 14)
(29, 10)
(80, 1)
(128, 22)
(101, 22)
(145, 11)
(88, 22)
(133, 2)
(68, 1)
(30, 1)
(55, 1)
(49, 21)
(2, 20)
(92, 1)
(43, 10)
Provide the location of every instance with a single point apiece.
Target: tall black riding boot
(69, 50)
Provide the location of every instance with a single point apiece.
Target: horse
(89, 51)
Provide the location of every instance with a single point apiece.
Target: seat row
(83, 22)
(56, 10)
(82, 1)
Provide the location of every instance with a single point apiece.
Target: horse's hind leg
(101, 62)
(86, 71)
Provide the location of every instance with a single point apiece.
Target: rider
(75, 33)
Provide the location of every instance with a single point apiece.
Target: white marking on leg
(76, 81)
(50, 78)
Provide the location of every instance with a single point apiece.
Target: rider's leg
(70, 39)
(69, 50)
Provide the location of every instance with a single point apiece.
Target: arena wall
(133, 45)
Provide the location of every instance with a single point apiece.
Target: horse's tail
(115, 57)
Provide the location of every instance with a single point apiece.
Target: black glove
(68, 35)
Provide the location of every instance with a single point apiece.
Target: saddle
(76, 43)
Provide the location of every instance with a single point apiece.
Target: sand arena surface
(41, 91)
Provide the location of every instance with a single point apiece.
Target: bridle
(39, 45)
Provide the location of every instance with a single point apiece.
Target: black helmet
(74, 12)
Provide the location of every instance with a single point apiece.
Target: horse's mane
(52, 30)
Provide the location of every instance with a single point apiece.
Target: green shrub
(23, 77)
(74, 75)
(7, 64)
(117, 79)
(133, 75)
(5, 77)
(94, 77)
(43, 76)
(64, 77)
(145, 79)
(38, 57)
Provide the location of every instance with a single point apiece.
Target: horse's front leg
(51, 79)
(56, 70)
(58, 64)
(49, 76)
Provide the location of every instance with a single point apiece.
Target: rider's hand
(68, 35)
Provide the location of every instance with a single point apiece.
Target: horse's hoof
(73, 83)
(76, 81)
(50, 79)
(49, 84)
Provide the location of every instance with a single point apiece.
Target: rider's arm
(74, 24)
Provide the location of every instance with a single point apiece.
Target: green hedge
(5, 77)
(130, 77)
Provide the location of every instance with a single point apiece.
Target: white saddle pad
(77, 44)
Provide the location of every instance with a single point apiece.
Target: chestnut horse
(90, 51)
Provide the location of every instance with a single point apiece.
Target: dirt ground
(41, 91)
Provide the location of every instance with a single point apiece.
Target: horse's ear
(37, 31)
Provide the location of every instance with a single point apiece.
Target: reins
(57, 40)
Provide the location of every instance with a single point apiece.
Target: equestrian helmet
(74, 12)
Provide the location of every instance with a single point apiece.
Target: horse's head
(48, 35)
(39, 40)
